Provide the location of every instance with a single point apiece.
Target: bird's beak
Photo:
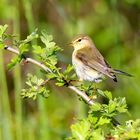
(70, 44)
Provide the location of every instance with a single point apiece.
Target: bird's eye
(79, 40)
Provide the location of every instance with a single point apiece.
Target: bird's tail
(122, 72)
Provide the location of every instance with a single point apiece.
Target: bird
(89, 63)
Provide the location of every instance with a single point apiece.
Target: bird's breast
(84, 72)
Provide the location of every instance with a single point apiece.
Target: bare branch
(30, 60)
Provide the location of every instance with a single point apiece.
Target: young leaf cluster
(47, 54)
(3, 35)
(35, 87)
(23, 46)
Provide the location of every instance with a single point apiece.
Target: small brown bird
(88, 62)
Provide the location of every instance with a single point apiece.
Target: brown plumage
(89, 63)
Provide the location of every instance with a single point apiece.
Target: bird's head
(81, 41)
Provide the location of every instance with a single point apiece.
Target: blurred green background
(114, 25)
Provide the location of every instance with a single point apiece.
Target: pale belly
(86, 73)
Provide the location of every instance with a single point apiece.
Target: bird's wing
(95, 61)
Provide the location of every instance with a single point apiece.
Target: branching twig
(30, 60)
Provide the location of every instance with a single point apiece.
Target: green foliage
(23, 47)
(67, 77)
(130, 130)
(81, 130)
(35, 87)
(2, 35)
(100, 123)
(85, 130)
(2, 32)
(48, 53)
(14, 61)
(105, 94)
(114, 107)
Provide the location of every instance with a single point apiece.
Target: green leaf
(92, 118)
(122, 106)
(35, 88)
(37, 49)
(96, 107)
(68, 69)
(97, 135)
(60, 84)
(80, 131)
(45, 38)
(45, 92)
(103, 121)
(29, 83)
(106, 94)
(112, 106)
(3, 30)
(101, 92)
(30, 37)
(14, 61)
(34, 79)
(51, 75)
(23, 48)
(53, 60)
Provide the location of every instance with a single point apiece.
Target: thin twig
(30, 60)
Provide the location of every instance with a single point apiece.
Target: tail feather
(115, 78)
(122, 72)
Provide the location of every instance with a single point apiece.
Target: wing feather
(95, 61)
